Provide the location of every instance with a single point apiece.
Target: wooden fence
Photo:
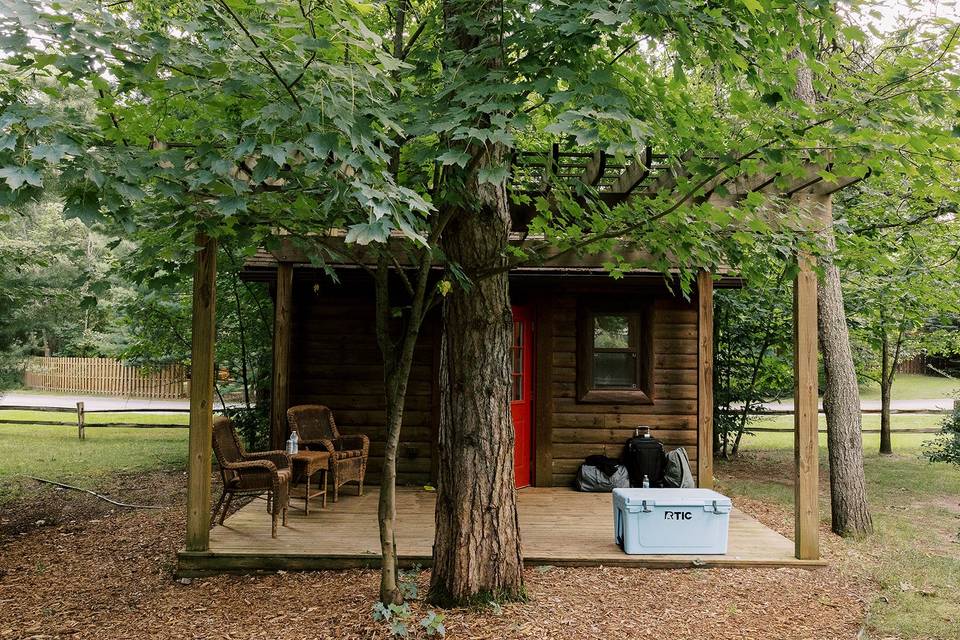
(105, 375)
(915, 365)
(79, 418)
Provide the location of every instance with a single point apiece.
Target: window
(614, 360)
(517, 375)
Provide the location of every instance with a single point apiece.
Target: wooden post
(543, 394)
(280, 397)
(705, 380)
(81, 427)
(806, 507)
(201, 394)
(436, 338)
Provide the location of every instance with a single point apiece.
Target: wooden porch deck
(559, 527)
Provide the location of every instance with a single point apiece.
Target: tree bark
(397, 362)
(886, 382)
(841, 396)
(476, 554)
(841, 403)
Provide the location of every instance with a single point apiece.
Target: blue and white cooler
(671, 521)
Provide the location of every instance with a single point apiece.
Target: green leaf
(231, 205)
(16, 176)
(365, 233)
(129, 191)
(754, 6)
(607, 17)
(493, 175)
(82, 204)
(277, 152)
(454, 156)
(50, 152)
(321, 144)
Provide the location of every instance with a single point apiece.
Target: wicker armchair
(318, 432)
(250, 474)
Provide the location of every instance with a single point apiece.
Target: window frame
(640, 318)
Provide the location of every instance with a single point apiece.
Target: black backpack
(644, 456)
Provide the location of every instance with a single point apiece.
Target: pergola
(614, 182)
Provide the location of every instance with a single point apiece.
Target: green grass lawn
(55, 452)
(70, 417)
(870, 421)
(910, 386)
(914, 556)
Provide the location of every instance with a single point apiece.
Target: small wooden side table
(305, 464)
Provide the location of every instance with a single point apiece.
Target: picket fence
(105, 375)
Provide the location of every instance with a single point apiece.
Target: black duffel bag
(644, 457)
(600, 474)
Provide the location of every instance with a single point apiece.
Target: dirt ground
(94, 572)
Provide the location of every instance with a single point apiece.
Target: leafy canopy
(243, 118)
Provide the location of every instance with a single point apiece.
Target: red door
(521, 405)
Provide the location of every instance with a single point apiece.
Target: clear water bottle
(646, 482)
(295, 443)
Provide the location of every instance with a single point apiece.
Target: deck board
(558, 526)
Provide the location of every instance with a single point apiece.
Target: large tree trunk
(841, 403)
(476, 554)
(841, 396)
(886, 384)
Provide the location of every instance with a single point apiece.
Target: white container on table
(671, 521)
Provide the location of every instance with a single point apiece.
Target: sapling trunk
(886, 383)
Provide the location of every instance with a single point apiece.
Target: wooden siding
(581, 429)
(335, 361)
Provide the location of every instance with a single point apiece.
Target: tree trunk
(476, 554)
(841, 404)
(47, 348)
(387, 503)
(397, 362)
(886, 383)
(841, 395)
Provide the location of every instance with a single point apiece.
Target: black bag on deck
(644, 456)
(601, 474)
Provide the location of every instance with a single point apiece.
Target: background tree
(753, 359)
(899, 260)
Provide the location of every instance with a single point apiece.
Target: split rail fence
(79, 418)
(106, 376)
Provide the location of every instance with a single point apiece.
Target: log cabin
(594, 359)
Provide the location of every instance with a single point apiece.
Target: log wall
(582, 429)
(335, 361)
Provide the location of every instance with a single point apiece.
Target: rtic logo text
(677, 515)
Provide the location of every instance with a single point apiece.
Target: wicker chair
(250, 474)
(317, 429)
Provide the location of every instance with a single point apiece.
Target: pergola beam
(594, 169)
(635, 173)
(201, 393)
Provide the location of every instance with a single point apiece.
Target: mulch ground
(111, 576)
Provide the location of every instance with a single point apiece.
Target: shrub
(946, 446)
